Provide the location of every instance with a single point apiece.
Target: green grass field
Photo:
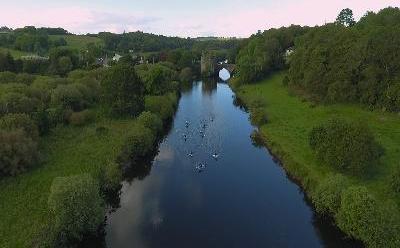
(291, 120)
(69, 151)
(78, 42)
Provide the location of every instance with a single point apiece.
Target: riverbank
(67, 150)
(290, 120)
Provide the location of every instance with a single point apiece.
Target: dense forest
(345, 61)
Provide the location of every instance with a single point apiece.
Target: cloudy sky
(179, 17)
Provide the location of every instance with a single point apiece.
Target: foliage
(362, 217)
(186, 75)
(264, 53)
(328, 194)
(163, 106)
(67, 96)
(76, 206)
(123, 90)
(18, 152)
(110, 177)
(151, 121)
(395, 180)
(346, 18)
(346, 146)
(81, 118)
(258, 116)
(138, 144)
(356, 64)
(20, 121)
(158, 79)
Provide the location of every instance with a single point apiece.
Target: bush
(347, 146)
(20, 121)
(150, 121)
(76, 206)
(123, 90)
(395, 180)
(16, 103)
(7, 77)
(186, 75)
(138, 144)
(67, 96)
(163, 106)
(110, 177)
(81, 118)
(363, 218)
(18, 152)
(258, 116)
(327, 196)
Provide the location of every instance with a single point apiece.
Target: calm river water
(209, 186)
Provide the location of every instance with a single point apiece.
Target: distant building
(34, 57)
(116, 57)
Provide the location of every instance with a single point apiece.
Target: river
(210, 186)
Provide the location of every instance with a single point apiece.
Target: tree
(346, 146)
(76, 206)
(123, 90)
(346, 18)
(18, 152)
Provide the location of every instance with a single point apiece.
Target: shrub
(81, 118)
(76, 206)
(327, 196)
(18, 152)
(163, 106)
(395, 180)
(363, 218)
(16, 103)
(123, 90)
(7, 77)
(110, 177)
(138, 144)
(20, 121)
(258, 116)
(25, 78)
(151, 121)
(347, 146)
(186, 75)
(67, 96)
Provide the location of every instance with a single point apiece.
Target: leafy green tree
(346, 146)
(346, 18)
(76, 206)
(151, 121)
(124, 90)
(18, 152)
(328, 194)
(364, 218)
(20, 121)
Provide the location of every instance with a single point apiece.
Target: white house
(116, 57)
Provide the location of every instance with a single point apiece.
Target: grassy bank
(67, 151)
(290, 120)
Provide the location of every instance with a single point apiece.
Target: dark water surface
(242, 199)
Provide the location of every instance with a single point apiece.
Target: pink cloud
(238, 19)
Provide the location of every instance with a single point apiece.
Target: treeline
(31, 39)
(265, 52)
(142, 42)
(351, 62)
(345, 61)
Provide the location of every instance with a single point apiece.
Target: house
(116, 57)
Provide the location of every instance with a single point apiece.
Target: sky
(184, 18)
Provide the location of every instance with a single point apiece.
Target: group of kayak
(200, 166)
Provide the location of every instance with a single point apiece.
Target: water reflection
(242, 199)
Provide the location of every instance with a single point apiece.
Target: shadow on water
(209, 86)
